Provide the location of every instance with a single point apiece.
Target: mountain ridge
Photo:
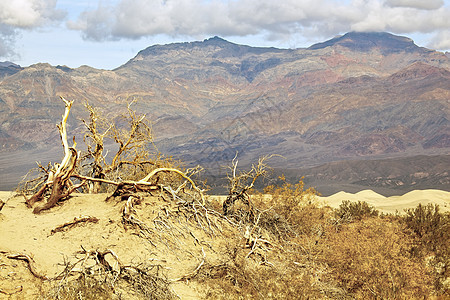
(213, 98)
(228, 48)
(366, 41)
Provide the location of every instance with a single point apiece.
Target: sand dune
(393, 203)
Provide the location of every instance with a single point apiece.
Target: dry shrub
(288, 198)
(279, 214)
(289, 209)
(147, 283)
(240, 277)
(349, 211)
(84, 287)
(99, 280)
(258, 282)
(431, 228)
(370, 259)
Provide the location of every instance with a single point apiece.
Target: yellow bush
(370, 259)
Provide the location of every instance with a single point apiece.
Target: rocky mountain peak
(215, 40)
(156, 50)
(367, 41)
(216, 47)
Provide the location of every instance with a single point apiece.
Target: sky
(107, 33)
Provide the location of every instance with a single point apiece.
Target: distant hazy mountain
(358, 96)
(8, 68)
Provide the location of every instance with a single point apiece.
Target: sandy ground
(393, 203)
(176, 247)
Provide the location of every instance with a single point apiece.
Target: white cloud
(419, 4)
(16, 15)
(441, 40)
(7, 39)
(378, 17)
(138, 18)
(96, 24)
(29, 13)
(277, 20)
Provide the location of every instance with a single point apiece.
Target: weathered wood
(58, 180)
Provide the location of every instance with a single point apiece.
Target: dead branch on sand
(30, 264)
(9, 293)
(124, 188)
(147, 280)
(103, 267)
(73, 223)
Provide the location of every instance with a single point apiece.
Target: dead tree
(239, 184)
(131, 142)
(94, 141)
(58, 181)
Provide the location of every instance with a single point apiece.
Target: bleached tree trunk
(59, 180)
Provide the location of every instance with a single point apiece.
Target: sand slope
(175, 245)
(393, 203)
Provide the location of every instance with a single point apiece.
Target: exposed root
(147, 280)
(30, 264)
(193, 273)
(9, 292)
(73, 223)
(127, 188)
(129, 217)
(156, 171)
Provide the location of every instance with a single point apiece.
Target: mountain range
(357, 97)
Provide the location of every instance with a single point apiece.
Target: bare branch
(240, 184)
(154, 172)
